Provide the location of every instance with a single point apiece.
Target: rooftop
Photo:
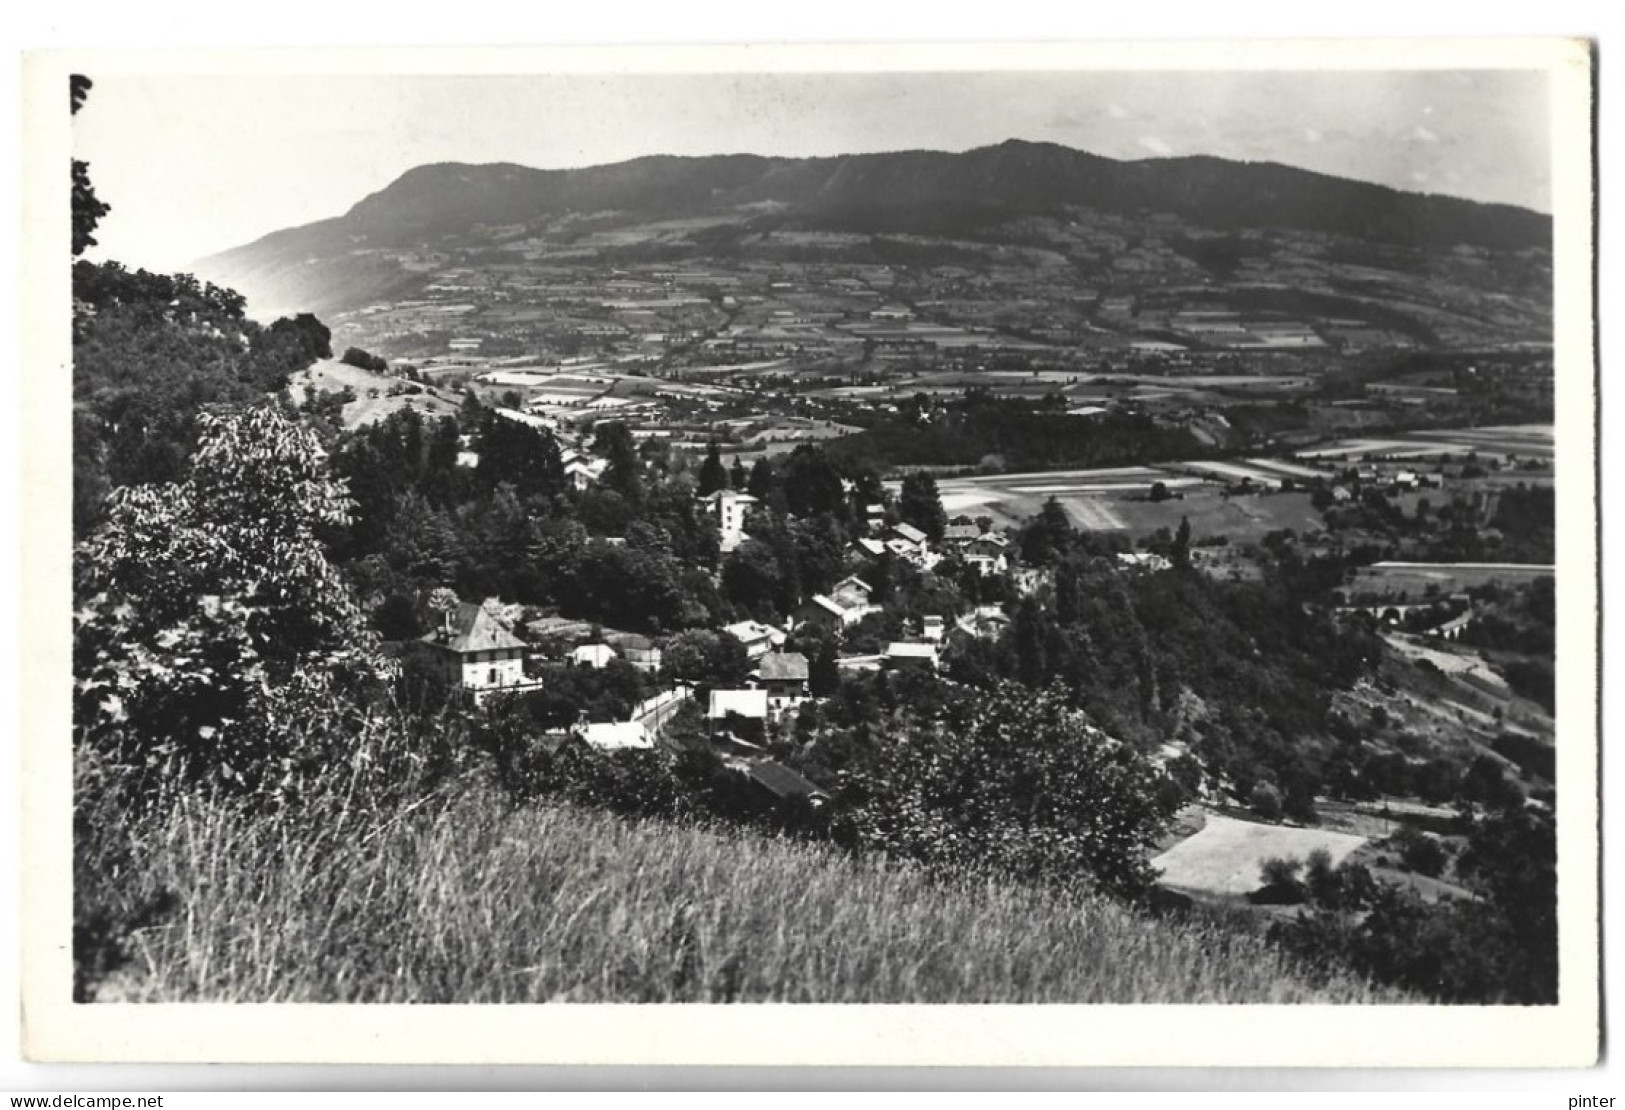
(783, 666)
(722, 495)
(749, 630)
(782, 781)
(828, 604)
(473, 628)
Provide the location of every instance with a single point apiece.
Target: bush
(1421, 853)
(206, 609)
(1265, 801)
(1281, 884)
(356, 357)
(1012, 783)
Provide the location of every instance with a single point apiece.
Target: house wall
(489, 670)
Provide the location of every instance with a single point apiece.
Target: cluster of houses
(476, 648)
(987, 552)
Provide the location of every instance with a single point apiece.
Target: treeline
(1499, 947)
(1242, 673)
(635, 549)
(150, 352)
(971, 430)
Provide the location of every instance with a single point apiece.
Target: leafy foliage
(1013, 783)
(150, 352)
(1500, 948)
(204, 608)
(920, 505)
(87, 209)
(980, 425)
(1243, 671)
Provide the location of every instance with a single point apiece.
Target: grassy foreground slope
(479, 902)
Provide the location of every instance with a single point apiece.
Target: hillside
(474, 901)
(985, 193)
(371, 395)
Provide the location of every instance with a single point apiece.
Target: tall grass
(468, 899)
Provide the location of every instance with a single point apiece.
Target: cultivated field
(1415, 580)
(1115, 499)
(1290, 470)
(1226, 856)
(1521, 440)
(1465, 663)
(1244, 519)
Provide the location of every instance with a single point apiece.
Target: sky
(196, 164)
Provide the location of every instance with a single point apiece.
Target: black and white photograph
(698, 542)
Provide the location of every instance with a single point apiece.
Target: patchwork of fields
(1117, 500)
(1524, 441)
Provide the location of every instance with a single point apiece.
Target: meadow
(1421, 580)
(373, 401)
(1227, 856)
(468, 898)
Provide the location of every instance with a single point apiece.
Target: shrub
(206, 609)
(1265, 801)
(1013, 783)
(1281, 883)
(1421, 853)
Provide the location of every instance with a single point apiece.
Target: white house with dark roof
(758, 638)
(783, 675)
(475, 651)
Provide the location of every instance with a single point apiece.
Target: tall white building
(729, 508)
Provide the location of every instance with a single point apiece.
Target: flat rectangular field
(1090, 497)
(1123, 506)
(1227, 856)
(1240, 519)
(1290, 470)
(1523, 440)
(1235, 472)
(1415, 579)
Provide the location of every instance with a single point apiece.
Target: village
(491, 650)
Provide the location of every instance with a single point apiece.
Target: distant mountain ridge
(885, 192)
